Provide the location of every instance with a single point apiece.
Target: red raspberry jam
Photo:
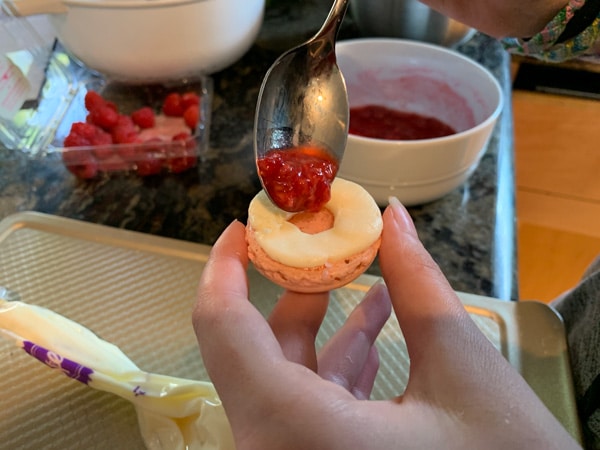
(298, 179)
(380, 122)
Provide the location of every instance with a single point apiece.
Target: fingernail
(401, 215)
(378, 292)
(379, 285)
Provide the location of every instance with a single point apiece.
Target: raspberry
(125, 121)
(80, 163)
(84, 134)
(102, 145)
(101, 138)
(172, 105)
(181, 164)
(93, 100)
(181, 137)
(83, 130)
(112, 105)
(181, 155)
(187, 142)
(104, 126)
(128, 152)
(123, 135)
(191, 145)
(113, 164)
(85, 171)
(124, 131)
(191, 116)
(188, 99)
(143, 117)
(147, 166)
(104, 116)
(76, 140)
(150, 157)
(102, 152)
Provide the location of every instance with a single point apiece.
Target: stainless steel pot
(407, 19)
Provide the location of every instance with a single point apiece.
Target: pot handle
(21, 8)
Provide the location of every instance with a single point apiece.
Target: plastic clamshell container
(151, 157)
(38, 129)
(31, 127)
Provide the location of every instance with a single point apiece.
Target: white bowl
(158, 40)
(425, 79)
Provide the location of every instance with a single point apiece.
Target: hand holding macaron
(279, 394)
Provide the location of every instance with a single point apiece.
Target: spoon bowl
(303, 99)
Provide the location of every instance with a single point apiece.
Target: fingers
(412, 272)
(431, 316)
(236, 342)
(366, 379)
(295, 321)
(350, 358)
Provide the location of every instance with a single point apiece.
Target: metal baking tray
(137, 292)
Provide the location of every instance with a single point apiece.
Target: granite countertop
(470, 232)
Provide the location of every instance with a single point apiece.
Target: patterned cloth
(580, 310)
(547, 45)
(580, 307)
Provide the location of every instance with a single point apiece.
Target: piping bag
(173, 413)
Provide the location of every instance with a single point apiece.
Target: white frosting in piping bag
(173, 413)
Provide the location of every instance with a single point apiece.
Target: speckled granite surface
(470, 232)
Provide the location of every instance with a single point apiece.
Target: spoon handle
(332, 24)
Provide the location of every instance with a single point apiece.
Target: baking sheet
(137, 291)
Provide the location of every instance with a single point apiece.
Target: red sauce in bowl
(380, 122)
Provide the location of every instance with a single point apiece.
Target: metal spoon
(303, 98)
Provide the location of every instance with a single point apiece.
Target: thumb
(432, 317)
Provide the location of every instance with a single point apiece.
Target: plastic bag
(173, 413)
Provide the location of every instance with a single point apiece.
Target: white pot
(152, 40)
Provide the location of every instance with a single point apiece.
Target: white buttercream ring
(357, 225)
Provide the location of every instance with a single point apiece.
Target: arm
(550, 30)
(501, 18)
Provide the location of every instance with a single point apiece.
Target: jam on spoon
(298, 178)
(301, 124)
